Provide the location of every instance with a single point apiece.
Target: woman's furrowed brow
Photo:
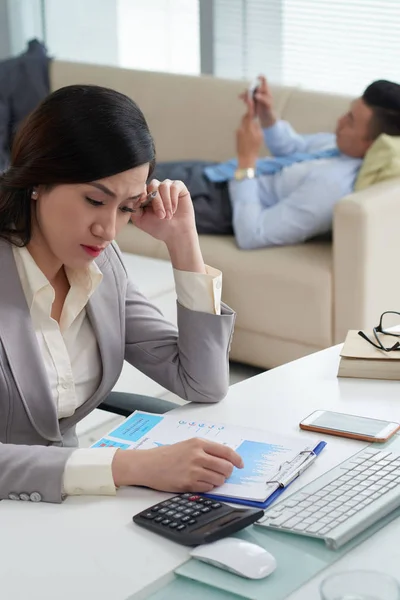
(106, 190)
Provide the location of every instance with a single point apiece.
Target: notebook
(270, 460)
(361, 359)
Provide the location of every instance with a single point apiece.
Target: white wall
(159, 35)
(5, 42)
(24, 22)
(82, 30)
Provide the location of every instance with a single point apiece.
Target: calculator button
(186, 519)
(187, 495)
(173, 505)
(162, 511)
(155, 508)
(188, 511)
(170, 513)
(191, 522)
(178, 515)
(149, 516)
(206, 509)
(181, 527)
(200, 499)
(194, 498)
(208, 503)
(173, 525)
(196, 506)
(166, 522)
(158, 519)
(216, 505)
(166, 503)
(196, 513)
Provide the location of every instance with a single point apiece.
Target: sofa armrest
(366, 255)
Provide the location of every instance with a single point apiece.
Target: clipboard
(290, 470)
(268, 455)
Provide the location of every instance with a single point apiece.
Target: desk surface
(88, 547)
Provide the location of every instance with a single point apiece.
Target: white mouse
(239, 557)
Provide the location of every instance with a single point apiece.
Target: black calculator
(191, 519)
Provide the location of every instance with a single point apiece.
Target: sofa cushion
(284, 292)
(381, 162)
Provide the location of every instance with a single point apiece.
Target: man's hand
(249, 138)
(263, 103)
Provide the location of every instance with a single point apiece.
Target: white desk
(88, 548)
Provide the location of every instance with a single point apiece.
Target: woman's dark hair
(78, 134)
(383, 97)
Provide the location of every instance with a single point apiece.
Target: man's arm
(281, 139)
(304, 213)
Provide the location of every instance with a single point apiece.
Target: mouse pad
(299, 559)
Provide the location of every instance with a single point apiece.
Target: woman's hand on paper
(195, 465)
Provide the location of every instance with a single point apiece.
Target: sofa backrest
(196, 117)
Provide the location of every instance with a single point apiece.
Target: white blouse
(71, 355)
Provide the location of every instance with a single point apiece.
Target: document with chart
(265, 455)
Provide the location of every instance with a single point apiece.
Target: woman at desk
(69, 316)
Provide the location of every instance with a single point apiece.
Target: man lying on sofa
(289, 198)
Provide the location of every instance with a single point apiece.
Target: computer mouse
(237, 556)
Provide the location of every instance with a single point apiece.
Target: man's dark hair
(383, 97)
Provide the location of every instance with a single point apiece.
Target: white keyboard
(343, 502)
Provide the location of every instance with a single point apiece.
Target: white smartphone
(253, 88)
(350, 426)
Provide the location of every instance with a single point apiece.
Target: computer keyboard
(344, 501)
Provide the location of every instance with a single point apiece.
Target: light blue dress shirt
(296, 203)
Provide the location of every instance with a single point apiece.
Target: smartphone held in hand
(252, 89)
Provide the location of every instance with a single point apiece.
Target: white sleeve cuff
(199, 291)
(88, 471)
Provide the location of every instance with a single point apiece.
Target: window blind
(330, 45)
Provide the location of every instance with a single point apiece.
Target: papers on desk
(271, 461)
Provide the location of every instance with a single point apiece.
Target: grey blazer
(34, 443)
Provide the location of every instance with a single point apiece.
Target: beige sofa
(290, 301)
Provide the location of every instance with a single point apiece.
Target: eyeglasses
(383, 328)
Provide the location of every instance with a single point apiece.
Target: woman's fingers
(222, 451)
(164, 190)
(148, 199)
(211, 477)
(218, 465)
(177, 188)
(164, 197)
(156, 203)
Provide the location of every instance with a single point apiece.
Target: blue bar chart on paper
(262, 452)
(259, 459)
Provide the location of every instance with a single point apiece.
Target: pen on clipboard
(297, 472)
(284, 480)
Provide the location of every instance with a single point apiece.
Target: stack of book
(361, 359)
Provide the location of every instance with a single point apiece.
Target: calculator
(191, 519)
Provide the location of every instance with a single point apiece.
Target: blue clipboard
(317, 451)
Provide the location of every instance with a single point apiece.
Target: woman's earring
(35, 195)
